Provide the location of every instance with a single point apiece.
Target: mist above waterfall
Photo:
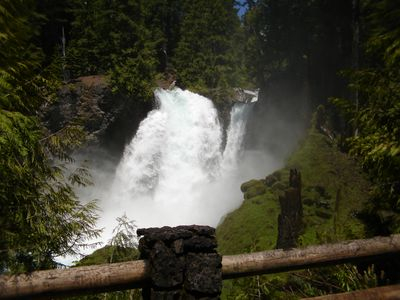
(177, 169)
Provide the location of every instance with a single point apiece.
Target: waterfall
(176, 148)
(235, 136)
(176, 170)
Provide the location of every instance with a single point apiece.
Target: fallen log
(134, 274)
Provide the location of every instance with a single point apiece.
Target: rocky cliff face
(109, 119)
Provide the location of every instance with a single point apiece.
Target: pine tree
(204, 56)
(40, 216)
(377, 117)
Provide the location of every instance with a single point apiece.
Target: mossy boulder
(248, 184)
(278, 186)
(255, 191)
(253, 188)
(270, 180)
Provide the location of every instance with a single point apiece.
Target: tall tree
(40, 217)
(111, 37)
(299, 43)
(204, 56)
(377, 116)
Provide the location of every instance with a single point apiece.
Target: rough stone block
(200, 244)
(199, 229)
(166, 268)
(178, 247)
(203, 273)
(165, 295)
(166, 233)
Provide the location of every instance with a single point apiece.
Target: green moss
(254, 191)
(109, 254)
(278, 186)
(239, 233)
(327, 173)
(248, 184)
(333, 189)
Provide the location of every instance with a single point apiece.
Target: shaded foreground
(127, 275)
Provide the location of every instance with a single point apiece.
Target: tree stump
(290, 222)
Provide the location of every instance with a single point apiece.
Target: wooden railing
(134, 274)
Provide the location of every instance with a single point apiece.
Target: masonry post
(184, 263)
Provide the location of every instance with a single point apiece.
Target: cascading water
(175, 169)
(235, 136)
(176, 148)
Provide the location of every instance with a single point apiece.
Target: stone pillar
(183, 261)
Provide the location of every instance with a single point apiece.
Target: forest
(329, 69)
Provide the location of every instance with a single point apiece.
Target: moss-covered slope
(333, 190)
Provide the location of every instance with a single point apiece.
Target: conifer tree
(204, 56)
(40, 217)
(377, 118)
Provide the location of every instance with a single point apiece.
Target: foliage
(18, 56)
(298, 46)
(306, 283)
(376, 117)
(112, 37)
(122, 247)
(253, 226)
(204, 56)
(133, 40)
(40, 216)
(124, 236)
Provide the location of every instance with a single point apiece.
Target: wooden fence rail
(389, 292)
(134, 274)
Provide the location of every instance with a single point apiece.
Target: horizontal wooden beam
(390, 292)
(280, 260)
(75, 281)
(133, 274)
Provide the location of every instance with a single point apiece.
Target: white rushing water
(177, 169)
(176, 149)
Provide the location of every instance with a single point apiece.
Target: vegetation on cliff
(293, 51)
(334, 190)
(375, 115)
(133, 41)
(40, 216)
